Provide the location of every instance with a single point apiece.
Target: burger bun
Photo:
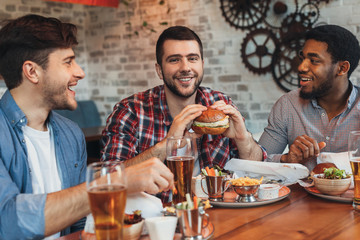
(212, 122)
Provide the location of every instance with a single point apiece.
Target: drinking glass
(354, 157)
(180, 158)
(106, 187)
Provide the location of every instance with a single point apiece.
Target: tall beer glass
(180, 158)
(354, 156)
(106, 187)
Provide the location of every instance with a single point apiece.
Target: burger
(318, 169)
(211, 121)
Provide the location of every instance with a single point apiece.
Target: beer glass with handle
(106, 187)
(180, 158)
(354, 157)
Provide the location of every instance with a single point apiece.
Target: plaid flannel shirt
(143, 119)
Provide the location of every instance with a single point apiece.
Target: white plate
(230, 202)
(347, 197)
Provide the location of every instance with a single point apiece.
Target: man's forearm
(158, 150)
(65, 207)
(249, 149)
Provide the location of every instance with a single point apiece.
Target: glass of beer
(354, 157)
(106, 187)
(180, 158)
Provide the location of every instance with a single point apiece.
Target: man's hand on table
(151, 176)
(303, 149)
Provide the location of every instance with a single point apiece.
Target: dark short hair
(31, 37)
(342, 44)
(175, 33)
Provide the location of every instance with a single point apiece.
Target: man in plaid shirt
(138, 127)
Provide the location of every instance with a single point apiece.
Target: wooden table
(300, 216)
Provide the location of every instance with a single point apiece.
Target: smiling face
(317, 72)
(182, 67)
(58, 79)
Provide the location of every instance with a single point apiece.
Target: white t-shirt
(42, 161)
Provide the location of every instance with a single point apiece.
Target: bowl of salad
(333, 181)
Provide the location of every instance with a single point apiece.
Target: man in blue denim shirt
(39, 69)
(42, 154)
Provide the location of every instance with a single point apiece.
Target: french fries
(245, 181)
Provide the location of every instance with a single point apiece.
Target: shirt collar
(351, 99)
(353, 95)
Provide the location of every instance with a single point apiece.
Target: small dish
(246, 193)
(230, 200)
(268, 191)
(331, 186)
(133, 231)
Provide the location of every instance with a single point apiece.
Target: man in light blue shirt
(321, 114)
(42, 154)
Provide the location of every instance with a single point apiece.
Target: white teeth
(71, 88)
(185, 79)
(305, 79)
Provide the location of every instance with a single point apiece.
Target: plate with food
(244, 193)
(331, 183)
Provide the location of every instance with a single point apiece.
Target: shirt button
(12, 121)
(327, 138)
(22, 120)
(323, 114)
(76, 164)
(23, 140)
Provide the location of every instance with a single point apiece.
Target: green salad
(335, 173)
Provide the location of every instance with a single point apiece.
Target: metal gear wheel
(257, 50)
(293, 28)
(278, 10)
(244, 14)
(284, 65)
(311, 11)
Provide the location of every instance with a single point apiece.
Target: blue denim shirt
(21, 212)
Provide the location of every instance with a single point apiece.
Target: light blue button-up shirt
(293, 116)
(21, 212)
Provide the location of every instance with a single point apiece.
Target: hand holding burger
(212, 122)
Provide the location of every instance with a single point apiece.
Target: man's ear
(158, 70)
(343, 68)
(31, 71)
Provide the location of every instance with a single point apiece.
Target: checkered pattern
(142, 120)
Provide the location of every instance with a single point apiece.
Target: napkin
(149, 205)
(341, 160)
(285, 173)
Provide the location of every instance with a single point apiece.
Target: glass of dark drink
(180, 158)
(106, 187)
(354, 157)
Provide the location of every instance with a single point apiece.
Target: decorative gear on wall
(278, 11)
(285, 62)
(261, 50)
(311, 11)
(293, 27)
(243, 14)
(257, 50)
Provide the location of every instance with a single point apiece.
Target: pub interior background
(117, 50)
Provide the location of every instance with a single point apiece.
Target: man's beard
(57, 99)
(175, 90)
(321, 90)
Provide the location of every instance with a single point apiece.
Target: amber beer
(182, 168)
(355, 166)
(107, 205)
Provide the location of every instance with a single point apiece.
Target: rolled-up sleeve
(21, 215)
